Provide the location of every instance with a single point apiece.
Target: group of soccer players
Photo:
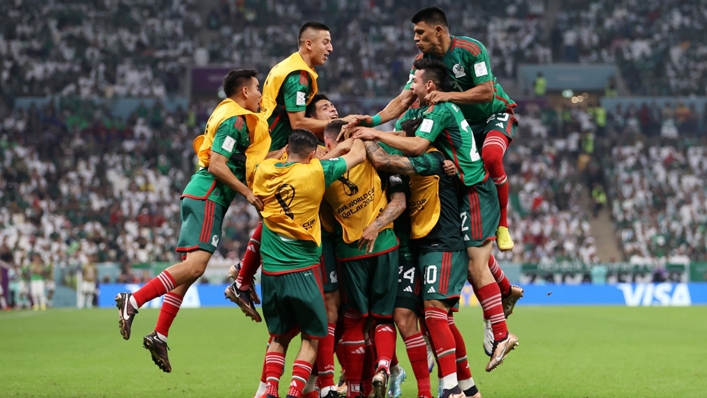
(368, 233)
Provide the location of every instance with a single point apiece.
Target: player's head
(242, 83)
(430, 75)
(321, 108)
(410, 126)
(314, 39)
(301, 145)
(430, 27)
(331, 133)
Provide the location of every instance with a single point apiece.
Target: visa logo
(648, 294)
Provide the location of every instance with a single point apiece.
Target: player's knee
(492, 155)
(405, 320)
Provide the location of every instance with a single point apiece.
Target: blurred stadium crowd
(67, 171)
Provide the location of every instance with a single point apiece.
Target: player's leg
(466, 382)
(499, 132)
(51, 287)
(479, 216)
(407, 305)
(382, 297)
(282, 326)
(306, 298)
(443, 277)
(354, 275)
(332, 302)
(242, 291)
(88, 293)
(198, 237)
(510, 294)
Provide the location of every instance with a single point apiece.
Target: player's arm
(383, 161)
(412, 146)
(396, 107)
(222, 149)
(396, 206)
(480, 68)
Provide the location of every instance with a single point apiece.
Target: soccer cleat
(509, 302)
(380, 384)
(233, 273)
(332, 394)
(477, 395)
(503, 239)
(430, 355)
(455, 392)
(501, 349)
(342, 388)
(396, 380)
(242, 298)
(127, 313)
(488, 338)
(158, 349)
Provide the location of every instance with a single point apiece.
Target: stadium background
(100, 100)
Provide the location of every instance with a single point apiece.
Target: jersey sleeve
(333, 169)
(428, 164)
(231, 132)
(434, 121)
(295, 91)
(480, 66)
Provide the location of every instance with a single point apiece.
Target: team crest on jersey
(214, 240)
(458, 71)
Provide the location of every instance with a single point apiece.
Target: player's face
(426, 37)
(321, 47)
(419, 86)
(252, 94)
(325, 110)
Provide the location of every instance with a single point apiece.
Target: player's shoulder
(468, 44)
(299, 77)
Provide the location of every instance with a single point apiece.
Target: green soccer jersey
(444, 125)
(282, 256)
(293, 96)
(446, 235)
(468, 64)
(411, 113)
(231, 140)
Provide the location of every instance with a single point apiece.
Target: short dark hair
(410, 126)
(310, 25)
(434, 70)
(311, 110)
(236, 79)
(302, 142)
(333, 128)
(431, 16)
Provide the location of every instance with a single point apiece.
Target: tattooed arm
(382, 160)
(393, 210)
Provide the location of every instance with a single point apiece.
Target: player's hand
(365, 133)
(344, 146)
(436, 97)
(368, 238)
(254, 200)
(320, 152)
(449, 168)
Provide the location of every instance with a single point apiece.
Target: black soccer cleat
(243, 299)
(127, 313)
(158, 349)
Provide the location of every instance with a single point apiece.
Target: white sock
(450, 381)
(466, 384)
(133, 302)
(261, 390)
(164, 338)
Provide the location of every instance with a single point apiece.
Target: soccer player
(444, 126)
(440, 256)
(292, 192)
(368, 259)
(235, 138)
(88, 286)
(486, 107)
(36, 287)
(289, 88)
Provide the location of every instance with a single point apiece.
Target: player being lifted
(235, 139)
(444, 126)
(292, 192)
(486, 107)
(289, 88)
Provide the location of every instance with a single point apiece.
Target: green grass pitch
(564, 352)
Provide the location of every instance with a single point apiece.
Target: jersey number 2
(474, 153)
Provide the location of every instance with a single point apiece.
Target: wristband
(376, 120)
